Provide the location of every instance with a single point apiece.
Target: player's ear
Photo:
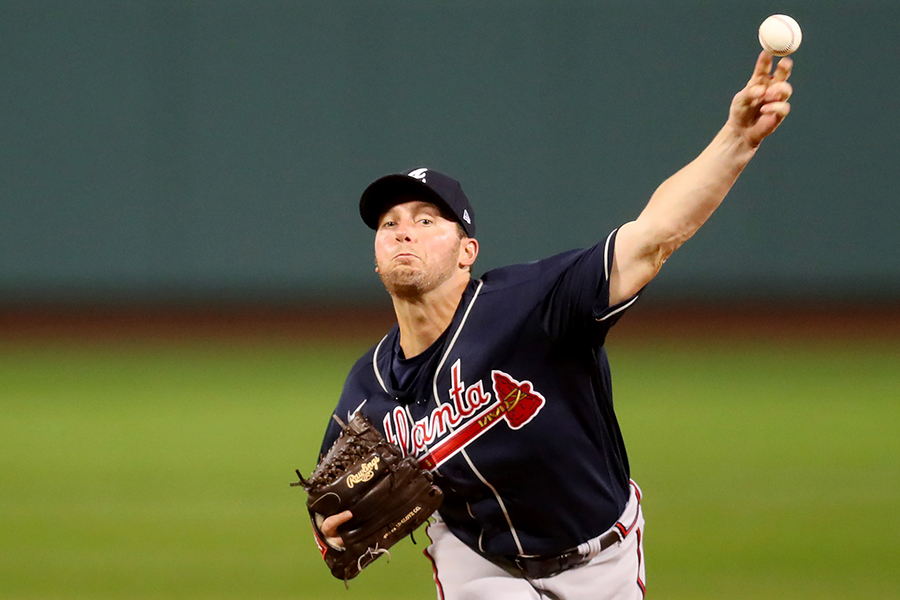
(468, 252)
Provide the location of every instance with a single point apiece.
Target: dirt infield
(316, 322)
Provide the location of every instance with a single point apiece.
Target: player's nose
(404, 231)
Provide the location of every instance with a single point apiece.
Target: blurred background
(185, 280)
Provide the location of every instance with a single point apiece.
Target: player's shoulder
(363, 365)
(360, 383)
(533, 272)
(362, 362)
(363, 377)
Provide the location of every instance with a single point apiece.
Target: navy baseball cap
(445, 192)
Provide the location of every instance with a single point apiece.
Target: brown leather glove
(389, 496)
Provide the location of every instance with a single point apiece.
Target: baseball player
(500, 386)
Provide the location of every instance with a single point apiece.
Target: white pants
(616, 573)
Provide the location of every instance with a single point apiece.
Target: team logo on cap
(418, 174)
(466, 217)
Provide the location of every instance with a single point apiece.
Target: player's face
(416, 248)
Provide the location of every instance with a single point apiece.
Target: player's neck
(423, 319)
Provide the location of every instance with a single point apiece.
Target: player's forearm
(683, 203)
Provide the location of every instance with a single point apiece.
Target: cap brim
(382, 193)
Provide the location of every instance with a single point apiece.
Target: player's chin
(403, 281)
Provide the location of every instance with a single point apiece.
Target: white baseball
(780, 35)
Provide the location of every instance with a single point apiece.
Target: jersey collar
(426, 386)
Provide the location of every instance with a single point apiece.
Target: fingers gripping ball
(780, 35)
(388, 494)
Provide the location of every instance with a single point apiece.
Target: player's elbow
(661, 240)
(648, 243)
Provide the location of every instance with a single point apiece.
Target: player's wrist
(735, 141)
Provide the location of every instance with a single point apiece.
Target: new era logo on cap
(437, 188)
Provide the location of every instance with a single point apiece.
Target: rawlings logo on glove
(366, 472)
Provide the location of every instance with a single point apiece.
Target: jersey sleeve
(578, 301)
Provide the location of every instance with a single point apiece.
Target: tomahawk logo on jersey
(464, 418)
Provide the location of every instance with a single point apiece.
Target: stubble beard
(408, 281)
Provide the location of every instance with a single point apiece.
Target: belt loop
(590, 548)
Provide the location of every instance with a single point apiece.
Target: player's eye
(388, 224)
(426, 221)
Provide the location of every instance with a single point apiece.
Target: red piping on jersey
(640, 558)
(623, 530)
(434, 569)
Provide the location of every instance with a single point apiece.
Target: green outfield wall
(199, 151)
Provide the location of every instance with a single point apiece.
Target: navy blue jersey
(512, 407)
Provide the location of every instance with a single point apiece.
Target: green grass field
(770, 470)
